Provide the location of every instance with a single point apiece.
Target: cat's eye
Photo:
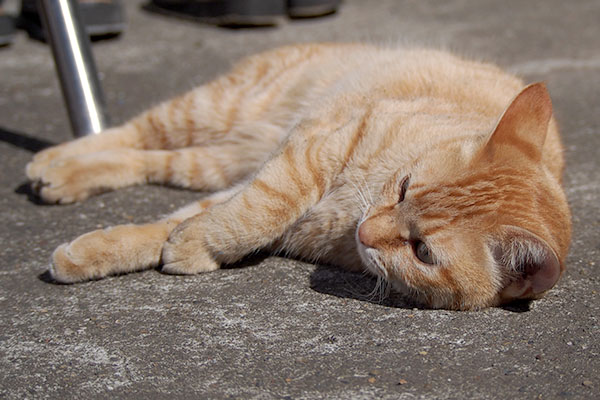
(423, 253)
(403, 187)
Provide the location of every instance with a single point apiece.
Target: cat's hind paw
(64, 182)
(74, 179)
(36, 167)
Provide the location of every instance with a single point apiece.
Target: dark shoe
(243, 12)
(101, 18)
(224, 12)
(311, 8)
(7, 29)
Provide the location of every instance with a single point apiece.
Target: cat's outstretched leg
(123, 248)
(221, 112)
(282, 191)
(239, 220)
(202, 168)
(190, 119)
(116, 158)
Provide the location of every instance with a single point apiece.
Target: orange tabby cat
(438, 174)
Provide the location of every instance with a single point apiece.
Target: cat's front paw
(103, 252)
(70, 265)
(93, 255)
(184, 252)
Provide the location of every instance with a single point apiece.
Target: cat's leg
(169, 125)
(122, 248)
(230, 109)
(202, 168)
(132, 154)
(285, 188)
(206, 115)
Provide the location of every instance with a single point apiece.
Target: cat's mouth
(370, 259)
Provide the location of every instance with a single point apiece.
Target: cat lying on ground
(437, 174)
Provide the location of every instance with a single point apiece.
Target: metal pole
(75, 66)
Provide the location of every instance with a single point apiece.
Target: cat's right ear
(522, 127)
(527, 263)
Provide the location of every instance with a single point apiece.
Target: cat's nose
(366, 234)
(369, 233)
(382, 231)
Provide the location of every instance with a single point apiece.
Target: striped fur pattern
(437, 174)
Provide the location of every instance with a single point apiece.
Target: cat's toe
(33, 171)
(52, 194)
(63, 182)
(188, 267)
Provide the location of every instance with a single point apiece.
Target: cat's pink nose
(365, 236)
(382, 230)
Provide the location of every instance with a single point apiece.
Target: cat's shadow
(23, 141)
(343, 284)
(31, 144)
(359, 286)
(356, 286)
(324, 279)
(25, 189)
(337, 282)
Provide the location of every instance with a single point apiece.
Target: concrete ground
(279, 328)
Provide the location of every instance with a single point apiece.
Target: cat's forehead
(471, 203)
(473, 188)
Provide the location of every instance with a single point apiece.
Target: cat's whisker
(382, 287)
(378, 262)
(380, 292)
(368, 189)
(357, 290)
(360, 191)
(359, 195)
(371, 295)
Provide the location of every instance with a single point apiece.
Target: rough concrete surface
(278, 328)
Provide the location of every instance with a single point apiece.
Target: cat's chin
(368, 256)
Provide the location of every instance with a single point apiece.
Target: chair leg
(75, 66)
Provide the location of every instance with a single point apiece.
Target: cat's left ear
(528, 264)
(523, 126)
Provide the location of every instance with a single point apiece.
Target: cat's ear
(528, 264)
(523, 126)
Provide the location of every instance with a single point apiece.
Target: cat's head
(477, 224)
